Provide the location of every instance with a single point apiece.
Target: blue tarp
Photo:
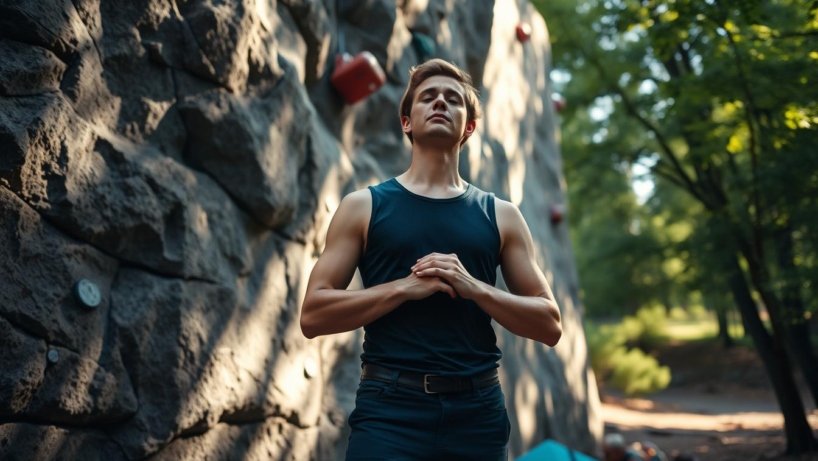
(551, 450)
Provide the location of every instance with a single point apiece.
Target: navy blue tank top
(437, 334)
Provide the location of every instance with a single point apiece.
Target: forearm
(327, 311)
(533, 317)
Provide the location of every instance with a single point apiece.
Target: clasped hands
(443, 272)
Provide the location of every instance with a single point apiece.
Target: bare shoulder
(510, 222)
(357, 202)
(352, 216)
(508, 215)
(506, 210)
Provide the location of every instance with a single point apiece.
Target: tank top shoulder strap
(376, 198)
(486, 201)
(379, 194)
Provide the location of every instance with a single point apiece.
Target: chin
(440, 133)
(443, 142)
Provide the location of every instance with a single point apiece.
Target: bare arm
(530, 309)
(328, 306)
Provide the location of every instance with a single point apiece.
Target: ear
(405, 124)
(471, 125)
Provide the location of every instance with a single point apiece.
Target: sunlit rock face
(167, 174)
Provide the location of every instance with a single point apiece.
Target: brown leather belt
(428, 382)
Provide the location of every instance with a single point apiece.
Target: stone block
(28, 69)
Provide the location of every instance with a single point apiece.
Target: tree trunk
(798, 329)
(724, 327)
(777, 363)
(715, 301)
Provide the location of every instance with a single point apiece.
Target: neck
(434, 172)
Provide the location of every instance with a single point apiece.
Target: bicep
(521, 272)
(344, 244)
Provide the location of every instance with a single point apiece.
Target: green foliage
(654, 326)
(716, 100)
(678, 314)
(714, 103)
(617, 354)
(635, 372)
(697, 312)
(619, 254)
(603, 342)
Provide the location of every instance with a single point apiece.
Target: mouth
(439, 117)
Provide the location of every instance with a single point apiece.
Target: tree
(619, 258)
(721, 96)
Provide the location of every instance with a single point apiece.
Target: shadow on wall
(183, 184)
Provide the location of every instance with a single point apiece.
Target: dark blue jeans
(397, 423)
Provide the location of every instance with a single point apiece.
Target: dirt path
(715, 416)
(711, 427)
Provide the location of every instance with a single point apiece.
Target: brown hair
(431, 68)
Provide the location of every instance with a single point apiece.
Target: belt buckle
(426, 384)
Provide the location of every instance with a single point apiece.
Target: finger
(431, 272)
(443, 261)
(420, 261)
(426, 273)
(437, 257)
(453, 259)
(448, 289)
(425, 265)
(448, 262)
(428, 257)
(445, 274)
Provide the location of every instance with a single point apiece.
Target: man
(427, 245)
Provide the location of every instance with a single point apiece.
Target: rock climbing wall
(167, 173)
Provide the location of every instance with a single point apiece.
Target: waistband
(430, 383)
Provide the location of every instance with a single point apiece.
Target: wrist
(397, 291)
(481, 292)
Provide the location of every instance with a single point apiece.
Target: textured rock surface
(185, 159)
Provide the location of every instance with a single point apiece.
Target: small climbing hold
(523, 32)
(557, 213)
(559, 102)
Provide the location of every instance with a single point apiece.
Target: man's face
(439, 113)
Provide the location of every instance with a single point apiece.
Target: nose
(440, 101)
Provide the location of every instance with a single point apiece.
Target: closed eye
(429, 95)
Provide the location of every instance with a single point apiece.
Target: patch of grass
(691, 330)
(699, 328)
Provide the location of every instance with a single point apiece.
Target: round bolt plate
(87, 293)
(53, 355)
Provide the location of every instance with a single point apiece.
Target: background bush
(618, 352)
